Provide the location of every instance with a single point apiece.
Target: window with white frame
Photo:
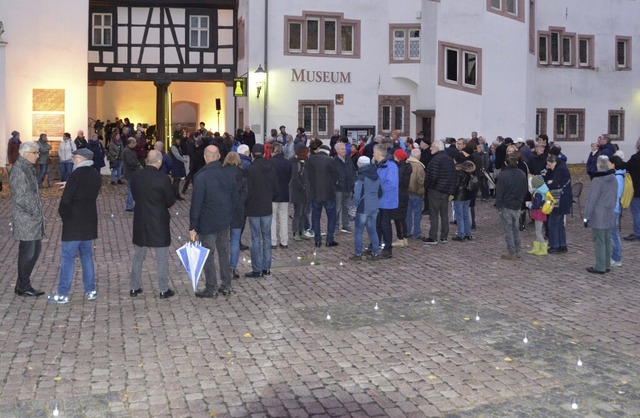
(102, 29)
(513, 9)
(569, 124)
(199, 31)
(393, 113)
(405, 43)
(623, 52)
(616, 125)
(316, 117)
(459, 66)
(541, 121)
(563, 49)
(319, 33)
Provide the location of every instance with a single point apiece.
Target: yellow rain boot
(543, 249)
(535, 249)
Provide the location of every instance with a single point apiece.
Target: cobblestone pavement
(446, 339)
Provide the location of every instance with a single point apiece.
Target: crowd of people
(370, 183)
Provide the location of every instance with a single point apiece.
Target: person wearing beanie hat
(399, 215)
(365, 200)
(538, 200)
(257, 151)
(79, 213)
(322, 177)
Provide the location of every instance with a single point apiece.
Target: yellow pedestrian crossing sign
(240, 87)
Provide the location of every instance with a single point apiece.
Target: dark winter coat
(346, 174)
(240, 183)
(404, 178)
(78, 208)
(298, 186)
(130, 162)
(262, 189)
(98, 154)
(633, 168)
(178, 169)
(322, 175)
(152, 192)
(441, 174)
(511, 189)
(282, 166)
(215, 195)
(560, 178)
(28, 217)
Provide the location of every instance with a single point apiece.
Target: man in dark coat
(441, 180)
(248, 137)
(79, 214)
(154, 196)
(344, 187)
(131, 165)
(261, 192)
(510, 193)
(322, 176)
(214, 198)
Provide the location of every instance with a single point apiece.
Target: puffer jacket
(366, 190)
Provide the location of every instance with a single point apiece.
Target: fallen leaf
(507, 359)
(141, 365)
(432, 377)
(407, 353)
(213, 414)
(247, 335)
(136, 327)
(466, 318)
(57, 378)
(498, 368)
(536, 323)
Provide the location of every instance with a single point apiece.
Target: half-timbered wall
(147, 43)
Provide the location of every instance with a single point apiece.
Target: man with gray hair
(344, 187)
(79, 213)
(28, 218)
(441, 180)
(154, 196)
(280, 205)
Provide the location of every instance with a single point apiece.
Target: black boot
(176, 188)
(523, 215)
(473, 218)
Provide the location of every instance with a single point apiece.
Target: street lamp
(261, 76)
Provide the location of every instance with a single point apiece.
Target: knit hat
(325, 149)
(400, 155)
(363, 160)
(242, 149)
(84, 153)
(537, 181)
(258, 150)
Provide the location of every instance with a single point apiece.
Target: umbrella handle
(192, 235)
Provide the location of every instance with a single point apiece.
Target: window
(541, 121)
(559, 48)
(316, 117)
(569, 124)
(102, 29)
(405, 43)
(616, 125)
(585, 51)
(623, 53)
(199, 31)
(393, 113)
(513, 9)
(327, 34)
(459, 67)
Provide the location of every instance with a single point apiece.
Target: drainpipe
(266, 65)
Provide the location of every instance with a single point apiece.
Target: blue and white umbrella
(193, 255)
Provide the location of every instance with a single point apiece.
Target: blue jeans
(44, 169)
(616, 247)
(234, 252)
(463, 218)
(557, 233)
(66, 167)
(414, 215)
(635, 215)
(511, 223)
(368, 221)
(68, 252)
(260, 242)
(129, 203)
(316, 212)
(116, 172)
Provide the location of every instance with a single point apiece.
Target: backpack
(474, 184)
(627, 192)
(549, 203)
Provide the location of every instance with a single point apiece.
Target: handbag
(557, 194)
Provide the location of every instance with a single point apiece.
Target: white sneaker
(58, 299)
(91, 295)
(309, 233)
(616, 263)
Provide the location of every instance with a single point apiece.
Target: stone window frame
(406, 28)
(321, 18)
(568, 113)
(459, 84)
(502, 8)
(626, 42)
(393, 102)
(315, 105)
(620, 135)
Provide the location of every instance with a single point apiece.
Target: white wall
(46, 49)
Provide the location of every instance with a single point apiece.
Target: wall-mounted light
(261, 76)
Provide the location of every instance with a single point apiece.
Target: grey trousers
(217, 242)
(342, 209)
(602, 245)
(511, 224)
(162, 266)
